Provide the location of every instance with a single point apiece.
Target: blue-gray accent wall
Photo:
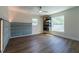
(6, 33)
(18, 29)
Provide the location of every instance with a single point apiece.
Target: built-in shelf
(46, 23)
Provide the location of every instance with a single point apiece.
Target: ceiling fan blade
(45, 11)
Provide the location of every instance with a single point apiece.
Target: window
(34, 22)
(58, 24)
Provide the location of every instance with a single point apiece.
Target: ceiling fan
(40, 10)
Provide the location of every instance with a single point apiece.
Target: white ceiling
(49, 9)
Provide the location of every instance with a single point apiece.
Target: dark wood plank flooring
(42, 43)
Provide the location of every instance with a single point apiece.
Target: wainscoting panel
(18, 29)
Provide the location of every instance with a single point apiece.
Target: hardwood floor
(42, 43)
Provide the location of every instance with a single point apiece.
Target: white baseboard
(24, 35)
(65, 36)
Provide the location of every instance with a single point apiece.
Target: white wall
(4, 12)
(39, 27)
(19, 16)
(71, 18)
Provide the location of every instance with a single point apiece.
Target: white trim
(24, 35)
(2, 49)
(65, 36)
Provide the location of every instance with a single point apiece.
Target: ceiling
(50, 9)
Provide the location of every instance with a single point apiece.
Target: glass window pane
(58, 24)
